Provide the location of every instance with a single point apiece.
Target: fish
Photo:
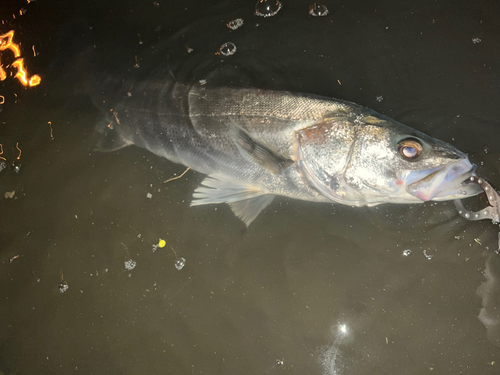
(254, 144)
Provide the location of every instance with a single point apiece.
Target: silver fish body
(256, 144)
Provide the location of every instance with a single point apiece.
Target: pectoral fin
(259, 152)
(245, 200)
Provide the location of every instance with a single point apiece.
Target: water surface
(307, 288)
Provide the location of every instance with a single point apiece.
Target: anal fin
(248, 209)
(245, 200)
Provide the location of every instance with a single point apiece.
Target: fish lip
(444, 183)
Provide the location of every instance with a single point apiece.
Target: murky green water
(307, 288)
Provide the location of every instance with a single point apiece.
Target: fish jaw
(442, 183)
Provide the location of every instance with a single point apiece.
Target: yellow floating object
(162, 243)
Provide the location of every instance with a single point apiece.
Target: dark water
(307, 288)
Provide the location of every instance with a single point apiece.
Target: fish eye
(410, 148)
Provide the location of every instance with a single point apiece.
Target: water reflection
(489, 291)
(331, 358)
(267, 295)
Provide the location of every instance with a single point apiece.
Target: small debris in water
(189, 49)
(180, 263)
(486, 149)
(227, 49)
(149, 195)
(155, 247)
(280, 362)
(477, 241)
(130, 265)
(318, 10)
(407, 252)
(14, 258)
(428, 256)
(62, 286)
(9, 194)
(267, 8)
(234, 24)
(476, 40)
(380, 98)
(161, 243)
(176, 178)
(203, 82)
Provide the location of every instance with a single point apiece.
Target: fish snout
(444, 183)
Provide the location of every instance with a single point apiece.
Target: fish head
(371, 159)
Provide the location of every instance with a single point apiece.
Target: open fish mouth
(443, 183)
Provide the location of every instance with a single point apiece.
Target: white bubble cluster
(130, 265)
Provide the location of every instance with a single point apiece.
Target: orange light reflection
(6, 43)
(17, 146)
(3, 75)
(22, 75)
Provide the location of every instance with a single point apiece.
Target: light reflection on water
(330, 357)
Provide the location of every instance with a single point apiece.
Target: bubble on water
(318, 10)
(234, 24)
(407, 252)
(130, 265)
(267, 8)
(280, 362)
(486, 149)
(428, 256)
(476, 40)
(380, 98)
(180, 263)
(63, 286)
(228, 49)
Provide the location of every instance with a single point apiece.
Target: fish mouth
(443, 183)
